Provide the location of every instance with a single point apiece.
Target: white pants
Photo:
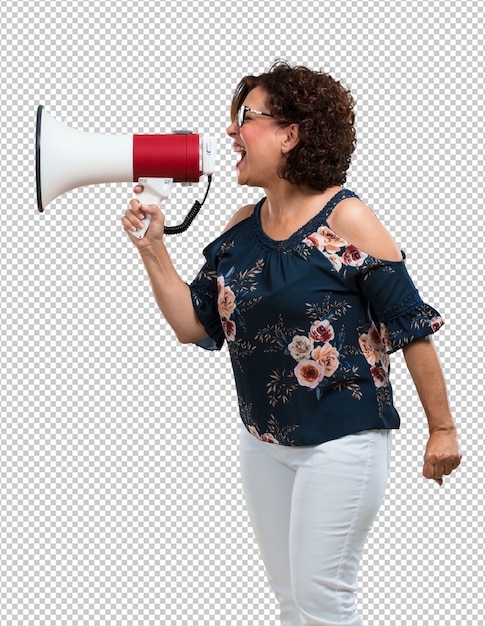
(311, 509)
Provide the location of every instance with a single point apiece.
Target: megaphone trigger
(155, 190)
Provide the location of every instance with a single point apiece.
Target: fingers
(133, 218)
(435, 469)
(442, 455)
(430, 472)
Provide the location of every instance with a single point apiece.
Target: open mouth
(240, 151)
(241, 159)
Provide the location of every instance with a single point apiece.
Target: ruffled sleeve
(204, 300)
(395, 303)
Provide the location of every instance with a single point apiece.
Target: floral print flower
(332, 242)
(353, 256)
(229, 328)
(338, 251)
(317, 358)
(226, 301)
(436, 323)
(269, 438)
(300, 347)
(375, 338)
(380, 376)
(384, 332)
(370, 352)
(328, 357)
(373, 346)
(335, 260)
(322, 331)
(315, 240)
(275, 432)
(325, 240)
(309, 373)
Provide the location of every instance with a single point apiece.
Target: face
(260, 141)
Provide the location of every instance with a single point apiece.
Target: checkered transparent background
(120, 496)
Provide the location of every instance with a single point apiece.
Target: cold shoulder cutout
(240, 215)
(357, 223)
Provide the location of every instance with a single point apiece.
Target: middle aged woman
(311, 294)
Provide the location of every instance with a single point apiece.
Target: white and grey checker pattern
(120, 496)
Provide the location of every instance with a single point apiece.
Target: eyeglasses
(241, 114)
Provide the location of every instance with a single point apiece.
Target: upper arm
(239, 216)
(357, 224)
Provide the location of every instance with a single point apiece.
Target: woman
(311, 294)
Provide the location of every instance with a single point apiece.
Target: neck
(288, 207)
(286, 200)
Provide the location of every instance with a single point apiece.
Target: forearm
(172, 294)
(425, 368)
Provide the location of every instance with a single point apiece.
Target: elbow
(184, 339)
(186, 336)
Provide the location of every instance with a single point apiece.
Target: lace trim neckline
(301, 233)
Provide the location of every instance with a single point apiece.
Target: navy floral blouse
(309, 323)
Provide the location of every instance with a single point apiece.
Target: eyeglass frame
(241, 114)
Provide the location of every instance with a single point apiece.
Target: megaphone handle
(155, 190)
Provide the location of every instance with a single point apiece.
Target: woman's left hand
(442, 455)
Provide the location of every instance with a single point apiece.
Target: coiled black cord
(191, 215)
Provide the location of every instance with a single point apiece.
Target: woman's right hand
(132, 220)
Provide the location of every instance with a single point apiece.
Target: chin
(247, 181)
(242, 179)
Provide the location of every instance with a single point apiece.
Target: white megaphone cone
(67, 158)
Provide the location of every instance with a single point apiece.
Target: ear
(291, 137)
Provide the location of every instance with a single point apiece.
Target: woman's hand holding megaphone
(133, 221)
(171, 292)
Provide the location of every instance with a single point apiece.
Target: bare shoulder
(240, 215)
(355, 222)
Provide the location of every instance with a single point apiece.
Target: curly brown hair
(324, 110)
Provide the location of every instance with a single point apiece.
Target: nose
(232, 129)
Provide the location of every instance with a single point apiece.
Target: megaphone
(67, 158)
